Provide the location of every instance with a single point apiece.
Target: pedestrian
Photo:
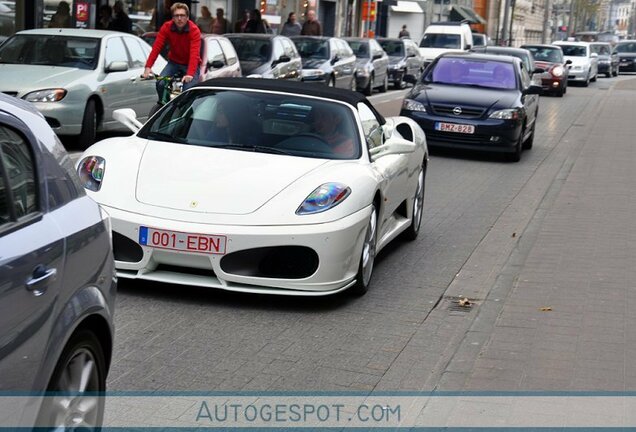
(239, 26)
(291, 26)
(121, 21)
(184, 38)
(62, 16)
(219, 24)
(105, 17)
(311, 27)
(255, 24)
(204, 22)
(404, 33)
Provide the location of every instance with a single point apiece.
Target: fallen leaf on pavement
(546, 309)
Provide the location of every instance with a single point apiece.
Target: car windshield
(51, 50)
(627, 47)
(551, 55)
(312, 48)
(478, 73)
(393, 48)
(252, 50)
(574, 50)
(436, 40)
(479, 39)
(601, 49)
(291, 125)
(360, 48)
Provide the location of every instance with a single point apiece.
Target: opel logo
(457, 110)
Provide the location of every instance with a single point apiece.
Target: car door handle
(37, 283)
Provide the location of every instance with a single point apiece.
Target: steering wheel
(307, 142)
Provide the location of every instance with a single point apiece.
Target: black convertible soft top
(300, 88)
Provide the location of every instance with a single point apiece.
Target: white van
(443, 37)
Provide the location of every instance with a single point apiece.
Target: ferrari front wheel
(367, 258)
(418, 207)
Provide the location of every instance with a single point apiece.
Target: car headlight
(557, 71)
(323, 198)
(506, 114)
(364, 71)
(312, 72)
(413, 105)
(48, 95)
(91, 172)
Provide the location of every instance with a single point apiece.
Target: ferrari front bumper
(337, 246)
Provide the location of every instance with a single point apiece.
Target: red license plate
(452, 127)
(181, 241)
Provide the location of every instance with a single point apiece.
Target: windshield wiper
(165, 137)
(255, 148)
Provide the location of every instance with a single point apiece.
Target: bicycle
(172, 88)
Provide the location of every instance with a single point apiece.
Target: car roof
(577, 43)
(480, 56)
(502, 50)
(540, 46)
(88, 33)
(390, 39)
(357, 39)
(297, 88)
(251, 35)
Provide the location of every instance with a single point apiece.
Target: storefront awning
(460, 13)
(407, 7)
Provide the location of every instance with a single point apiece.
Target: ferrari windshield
(51, 50)
(290, 125)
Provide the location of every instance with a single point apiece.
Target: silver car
(76, 77)
(584, 67)
(56, 276)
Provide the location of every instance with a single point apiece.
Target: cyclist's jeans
(171, 69)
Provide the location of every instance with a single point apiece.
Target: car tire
(332, 82)
(515, 156)
(587, 81)
(368, 90)
(418, 207)
(399, 83)
(610, 72)
(80, 369)
(367, 257)
(89, 125)
(593, 79)
(615, 72)
(385, 84)
(527, 144)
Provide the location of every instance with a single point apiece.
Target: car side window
(230, 53)
(20, 197)
(115, 51)
(136, 52)
(373, 133)
(215, 52)
(525, 77)
(375, 47)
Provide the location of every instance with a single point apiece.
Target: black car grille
(467, 112)
(457, 138)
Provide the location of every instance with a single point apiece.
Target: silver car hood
(26, 78)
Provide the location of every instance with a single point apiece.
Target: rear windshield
(437, 40)
(601, 49)
(393, 48)
(252, 50)
(51, 50)
(551, 55)
(477, 73)
(312, 48)
(574, 50)
(627, 47)
(360, 49)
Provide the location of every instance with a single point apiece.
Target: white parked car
(584, 67)
(279, 188)
(77, 77)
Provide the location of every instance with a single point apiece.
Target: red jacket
(185, 46)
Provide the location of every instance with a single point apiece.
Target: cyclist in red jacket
(184, 39)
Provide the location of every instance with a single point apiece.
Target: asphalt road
(175, 338)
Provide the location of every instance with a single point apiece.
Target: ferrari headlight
(413, 105)
(48, 95)
(323, 198)
(557, 71)
(91, 172)
(506, 114)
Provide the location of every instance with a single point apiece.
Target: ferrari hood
(209, 180)
(25, 78)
